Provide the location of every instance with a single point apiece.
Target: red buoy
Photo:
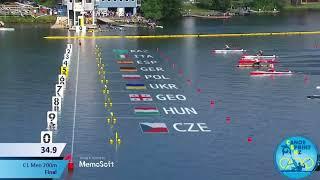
(249, 139)
(189, 82)
(212, 103)
(70, 166)
(70, 163)
(306, 79)
(228, 119)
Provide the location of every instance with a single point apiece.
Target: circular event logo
(296, 157)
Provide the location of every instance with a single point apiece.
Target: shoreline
(52, 19)
(303, 7)
(28, 19)
(191, 10)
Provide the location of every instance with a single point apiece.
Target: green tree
(152, 9)
(220, 5)
(48, 3)
(225, 5)
(205, 4)
(160, 9)
(268, 4)
(171, 8)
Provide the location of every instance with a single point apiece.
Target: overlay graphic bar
(31, 149)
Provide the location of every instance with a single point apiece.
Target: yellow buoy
(111, 141)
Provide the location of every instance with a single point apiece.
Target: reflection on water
(266, 109)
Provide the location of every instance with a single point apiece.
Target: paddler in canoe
(271, 68)
(256, 63)
(260, 53)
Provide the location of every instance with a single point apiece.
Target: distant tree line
(224, 5)
(221, 5)
(161, 9)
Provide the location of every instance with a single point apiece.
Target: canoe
(262, 73)
(252, 65)
(6, 29)
(258, 57)
(226, 51)
(251, 61)
(314, 97)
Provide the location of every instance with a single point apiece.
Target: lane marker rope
(75, 102)
(185, 35)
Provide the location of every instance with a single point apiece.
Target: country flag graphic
(125, 62)
(146, 111)
(140, 97)
(120, 51)
(121, 56)
(131, 77)
(154, 127)
(128, 69)
(135, 87)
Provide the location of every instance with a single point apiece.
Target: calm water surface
(267, 109)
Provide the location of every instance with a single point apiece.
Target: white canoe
(262, 57)
(225, 51)
(314, 97)
(262, 73)
(6, 29)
